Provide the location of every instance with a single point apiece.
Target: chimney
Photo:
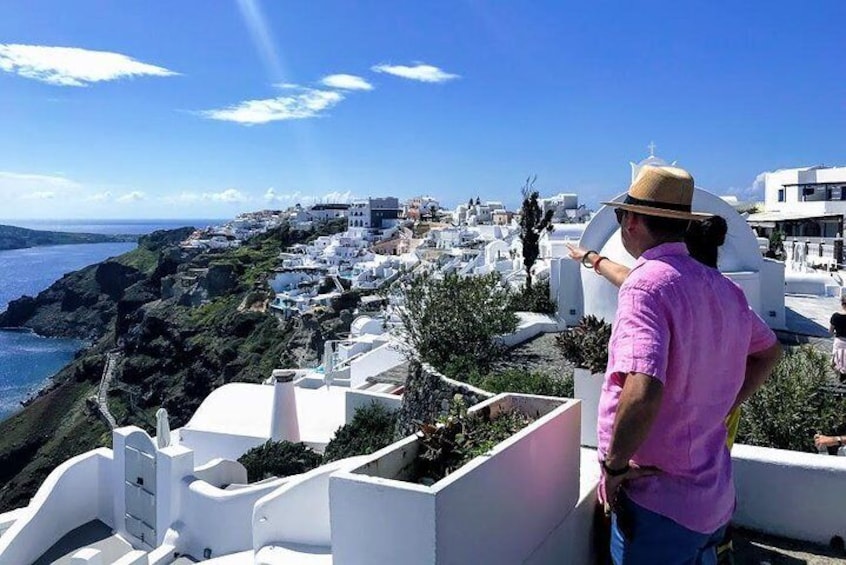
(284, 424)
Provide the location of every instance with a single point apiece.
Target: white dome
(739, 253)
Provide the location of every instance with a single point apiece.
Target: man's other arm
(759, 366)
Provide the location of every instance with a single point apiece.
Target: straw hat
(661, 191)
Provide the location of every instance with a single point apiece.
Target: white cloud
(755, 191)
(297, 197)
(38, 196)
(307, 104)
(16, 186)
(9, 178)
(229, 195)
(421, 72)
(72, 66)
(346, 82)
(133, 196)
(100, 196)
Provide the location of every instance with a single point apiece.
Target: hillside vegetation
(186, 322)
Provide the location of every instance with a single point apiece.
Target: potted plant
(586, 346)
(426, 505)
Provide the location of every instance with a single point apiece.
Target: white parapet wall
(574, 540)
(219, 520)
(530, 325)
(522, 490)
(209, 445)
(298, 511)
(791, 494)
(76, 492)
(375, 362)
(7, 519)
(356, 399)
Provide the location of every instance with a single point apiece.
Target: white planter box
(497, 509)
(587, 387)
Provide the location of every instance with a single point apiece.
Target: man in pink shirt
(685, 350)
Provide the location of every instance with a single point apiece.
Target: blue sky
(205, 108)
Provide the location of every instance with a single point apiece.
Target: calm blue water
(27, 361)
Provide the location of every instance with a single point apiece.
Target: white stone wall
(790, 494)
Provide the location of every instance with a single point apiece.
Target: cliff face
(175, 352)
(83, 304)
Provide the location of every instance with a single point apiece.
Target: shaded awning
(769, 219)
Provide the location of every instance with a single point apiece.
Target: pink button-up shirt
(691, 328)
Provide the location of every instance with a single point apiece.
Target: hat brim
(661, 212)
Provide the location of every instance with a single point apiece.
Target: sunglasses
(619, 212)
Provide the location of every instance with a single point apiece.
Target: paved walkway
(94, 534)
(105, 382)
(752, 547)
(809, 315)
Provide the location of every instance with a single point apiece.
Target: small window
(781, 195)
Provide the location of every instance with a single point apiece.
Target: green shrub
(456, 317)
(793, 404)
(534, 299)
(279, 459)
(586, 345)
(371, 429)
(525, 382)
(462, 368)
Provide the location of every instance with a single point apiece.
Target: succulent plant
(586, 345)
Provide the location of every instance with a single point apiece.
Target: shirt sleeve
(642, 340)
(762, 336)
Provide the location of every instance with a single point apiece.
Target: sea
(27, 360)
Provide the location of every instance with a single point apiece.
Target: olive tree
(454, 321)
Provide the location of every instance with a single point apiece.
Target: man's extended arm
(758, 368)
(640, 401)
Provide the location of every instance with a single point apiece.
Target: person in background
(685, 351)
(826, 442)
(837, 327)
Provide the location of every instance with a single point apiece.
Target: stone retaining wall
(428, 395)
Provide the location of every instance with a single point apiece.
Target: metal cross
(651, 147)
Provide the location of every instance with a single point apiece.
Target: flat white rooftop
(247, 410)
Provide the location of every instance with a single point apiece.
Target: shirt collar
(674, 248)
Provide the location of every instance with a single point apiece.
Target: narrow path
(105, 382)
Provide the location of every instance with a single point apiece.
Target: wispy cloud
(297, 197)
(46, 195)
(100, 196)
(307, 104)
(228, 196)
(346, 82)
(34, 186)
(8, 178)
(134, 196)
(72, 66)
(420, 72)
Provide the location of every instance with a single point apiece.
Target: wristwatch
(615, 472)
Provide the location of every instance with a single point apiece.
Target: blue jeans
(640, 536)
